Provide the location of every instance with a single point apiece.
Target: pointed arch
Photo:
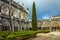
(55, 24)
(5, 9)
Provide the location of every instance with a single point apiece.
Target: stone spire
(41, 19)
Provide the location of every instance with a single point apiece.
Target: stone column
(18, 28)
(42, 26)
(12, 28)
(50, 24)
(21, 25)
(18, 24)
(50, 28)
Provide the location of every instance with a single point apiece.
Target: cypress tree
(34, 19)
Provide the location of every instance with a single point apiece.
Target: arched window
(22, 15)
(16, 25)
(4, 9)
(55, 24)
(5, 22)
(12, 12)
(5, 25)
(16, 13)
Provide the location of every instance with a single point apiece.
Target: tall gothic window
(16, 13)
(5, 9)
(5, 24)
(12, 12)
(22, 15)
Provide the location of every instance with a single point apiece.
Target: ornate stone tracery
(5, 9)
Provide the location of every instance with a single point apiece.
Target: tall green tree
(34, 18)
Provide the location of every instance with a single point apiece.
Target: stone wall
(13, 13)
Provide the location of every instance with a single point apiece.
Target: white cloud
(30, 20)
(42, 5)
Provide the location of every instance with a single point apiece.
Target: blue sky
(44, 8)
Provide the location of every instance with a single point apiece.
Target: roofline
(16, 5)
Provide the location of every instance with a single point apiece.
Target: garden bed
(21, 35)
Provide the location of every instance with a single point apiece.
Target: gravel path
(48, 36)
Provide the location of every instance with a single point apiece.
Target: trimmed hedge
(42, 31)
(21, 35)
(4, 34)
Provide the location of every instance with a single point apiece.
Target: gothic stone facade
(13, 17)
(52, 24)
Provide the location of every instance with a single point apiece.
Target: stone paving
(48, 36)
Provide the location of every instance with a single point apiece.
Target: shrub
(4, 34)
(42, 31)
(22, 35)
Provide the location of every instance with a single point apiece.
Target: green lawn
(21, 35)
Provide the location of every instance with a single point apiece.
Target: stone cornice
(16, 5)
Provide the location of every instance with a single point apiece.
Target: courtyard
(47, 36)
(25, 20)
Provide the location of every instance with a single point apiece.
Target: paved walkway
(47, 36)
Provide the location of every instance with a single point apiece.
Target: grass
(21, 35)
(42, 31)
(7, 35)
